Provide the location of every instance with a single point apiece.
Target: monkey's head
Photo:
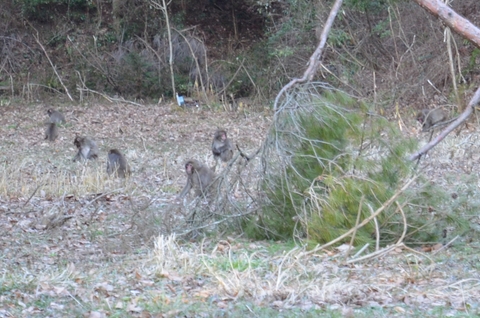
(421, 116)
(221, 135)
(78, 142)
(191, 166)
(49, 111)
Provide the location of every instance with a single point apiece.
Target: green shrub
(337, 163)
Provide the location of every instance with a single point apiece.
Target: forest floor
(76, 243)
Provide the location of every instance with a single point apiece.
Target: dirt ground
(75, 242)
(42, 186)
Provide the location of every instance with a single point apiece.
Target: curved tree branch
(315, 58)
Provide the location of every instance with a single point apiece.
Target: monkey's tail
(245, 156)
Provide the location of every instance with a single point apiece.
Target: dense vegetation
(391, 52)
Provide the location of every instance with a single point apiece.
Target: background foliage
(243, 48)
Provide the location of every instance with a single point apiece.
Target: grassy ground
(76, 243)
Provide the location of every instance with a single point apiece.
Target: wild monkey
(56, 116)
(221, 146)
(52, 132)
(117, 164)
(429, 118)
(199, 177)
(87, 148)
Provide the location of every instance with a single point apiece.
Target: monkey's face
(77, 142)
(189, 168)
(49, 111)
(221, 135)
(420, 118)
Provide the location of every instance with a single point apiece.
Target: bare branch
(315, 58)
(455, 21)
(460, 119)
(51, 63)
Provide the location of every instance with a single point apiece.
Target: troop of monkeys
(199, 175)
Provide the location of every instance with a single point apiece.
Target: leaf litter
(72, 242)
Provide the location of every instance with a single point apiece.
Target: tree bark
(455, 21)
(469, 31)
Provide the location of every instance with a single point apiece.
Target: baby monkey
(429, 118)
(117, 164)
(221, 146)
(199, 177)
(56, 116)
(87, 148)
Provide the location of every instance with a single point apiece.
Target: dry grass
(76, 243)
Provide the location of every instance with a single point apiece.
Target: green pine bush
(334, 161)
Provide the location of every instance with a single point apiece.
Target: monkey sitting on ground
(87, 148)
(429, 118)
(199, 177)
(117, 164)
(52, 132)
(221, 146)
(55, 116)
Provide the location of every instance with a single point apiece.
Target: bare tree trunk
(164, 8)
(170, 60)
(455, 21)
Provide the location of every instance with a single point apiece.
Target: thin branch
(51, 63)
(315, 58)
(364, 222)
(457, 122)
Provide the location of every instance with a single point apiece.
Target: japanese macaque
(56, 116)
(117, 164)
(199, 177)
(87, 148)
(52, 132)
(221, 146)
(429, 118)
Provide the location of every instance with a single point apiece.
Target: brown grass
(75, 242)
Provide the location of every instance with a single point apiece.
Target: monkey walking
(87, 148)
(222, 148)
(199, 177)
(117, 164)
(430, 118)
